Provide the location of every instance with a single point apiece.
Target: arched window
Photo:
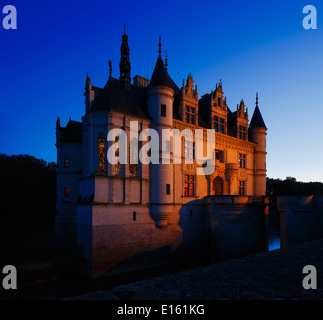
(101, 152)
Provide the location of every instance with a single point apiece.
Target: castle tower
(160, 107)
(124, 64)
(258, 132)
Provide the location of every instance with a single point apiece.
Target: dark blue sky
(251, 45)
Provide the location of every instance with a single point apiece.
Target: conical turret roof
(160, 75)
(257, 121)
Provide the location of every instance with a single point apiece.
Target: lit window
(190, 114)
(66, 163)
(117, 166)
(101, 151)
(189, 185)
(189, 150)
(133, 156)
(163, 110)
(66, 192)
(219, 124)
(242, 160)
(242, 132)
(242, 188)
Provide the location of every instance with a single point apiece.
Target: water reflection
(273, 240)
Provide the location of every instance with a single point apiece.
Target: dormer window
(190, 114)
(219, 124)
(242, 132)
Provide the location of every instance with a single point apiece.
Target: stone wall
(116, 239)
(301, 218)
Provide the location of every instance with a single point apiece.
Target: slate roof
(160, 76)
(114, 97)
(133, 101)
(257, 121)
(72, 133)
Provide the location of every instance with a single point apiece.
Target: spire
(124, 65)
(88, 85)
(110, 68)
(257, 121)
(257, 99)
(88, 80)
(166, 60)
(159, 45)
(160, 76)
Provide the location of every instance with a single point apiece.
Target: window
(189, 185)
(242, 160)
(101, 151)
(133, 156)
(242, 188)
(168, 189)
(189, 150)
(190, 114)
(219, 124)
(163, 110)
(117, 166)
(66, 192)
(66, 163)
(134, 216)
(167, 146)
(218, 155)
(242, 132)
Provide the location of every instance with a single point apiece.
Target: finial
(110, 68)
(159, 45)
(124, 28)
(88, 82)
(257, 99)
(166, 60)
(58, 122)
(220, 83)
(70, 118)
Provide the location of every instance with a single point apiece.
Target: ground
(272, 275)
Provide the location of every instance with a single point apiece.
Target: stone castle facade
(114, 212)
